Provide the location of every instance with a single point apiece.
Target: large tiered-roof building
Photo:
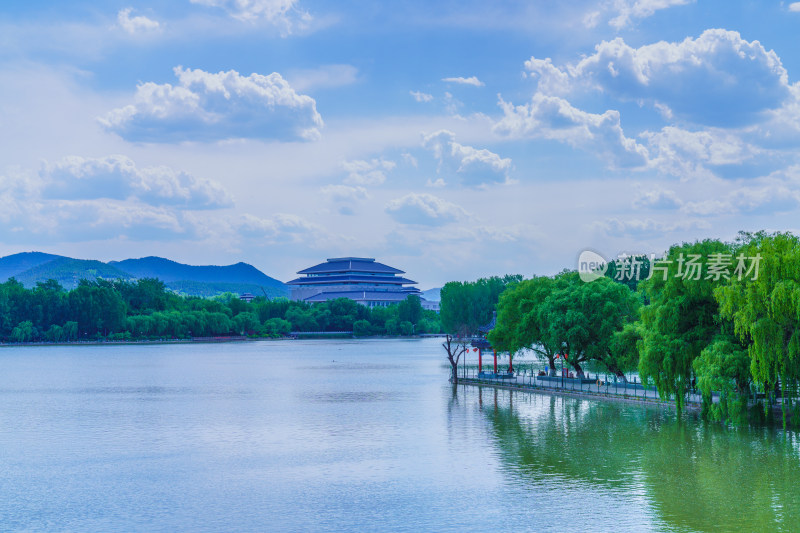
(361, 279)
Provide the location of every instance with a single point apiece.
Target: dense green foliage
(719, 318)
(766, 311)
(682, 318)
(146, 309)
(564, 316)
(466, 306)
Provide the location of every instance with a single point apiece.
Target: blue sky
(450, 139)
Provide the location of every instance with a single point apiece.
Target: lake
(363, 435)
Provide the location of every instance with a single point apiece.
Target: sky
(452, 140)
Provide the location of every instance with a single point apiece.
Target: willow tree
(765, 307)
(682, 318)
(520, 322)
(583, 318)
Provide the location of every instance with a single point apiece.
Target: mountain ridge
(192, 280)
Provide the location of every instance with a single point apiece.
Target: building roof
(350, 264)
(359, 296)
(350, 278)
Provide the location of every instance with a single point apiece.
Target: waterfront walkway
(576, 387)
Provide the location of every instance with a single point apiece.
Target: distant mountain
(433, 295)
(68, 272)
(170, 271)
(12, 265)
(32, 267)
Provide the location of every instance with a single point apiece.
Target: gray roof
(360, 296)
(350, 264)
(351, 278)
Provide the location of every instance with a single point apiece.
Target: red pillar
(510, 366)
(495, 361)
(480, 360)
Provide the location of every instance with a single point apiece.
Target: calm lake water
(356, 436)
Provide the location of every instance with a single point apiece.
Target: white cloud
(552, 117)
(137, 24)
(472, 80)
(281, 228)
(630, 10)
(281, 13)
(717, 79)
(769, 199)
(424, 210)
(437, 184)
(372, 172)
(551, 79)
(643, 228)
(471, 165)
(117, 177)
(794, 7)
(657, 199)
(420, 96)
(207, 107)
(324, 77)
(345, 196)
(688, 154)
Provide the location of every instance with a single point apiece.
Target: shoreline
(205, 340)
(582, 395)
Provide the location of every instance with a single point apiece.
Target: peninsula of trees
(721, 317)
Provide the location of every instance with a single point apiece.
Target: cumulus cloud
(794, 7)
(689, 154)
(137, 24)
(117, 177)
(282, 13)
(554, 118)
(471, 165)
(551, 79)
(421, 97)
(206, 107)
(717, 79)
(372, 172)
(472, 80)
(628, 11)
(424, 210)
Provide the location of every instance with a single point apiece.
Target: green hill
(68, 272)
(13, 265)
(32, 267)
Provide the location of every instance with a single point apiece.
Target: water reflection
(692, 476)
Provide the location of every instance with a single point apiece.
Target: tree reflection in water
(691, 475)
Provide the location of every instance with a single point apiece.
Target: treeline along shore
(720, 318)
(146, 310)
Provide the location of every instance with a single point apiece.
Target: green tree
(362, 328)
(466, 306)
(765, 307)
(410, 309)
(582, 319)
(24, 332)
(521, 321)
(245, 322)
(724, 367)
(682, 318)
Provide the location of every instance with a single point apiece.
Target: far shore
(205, 340)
